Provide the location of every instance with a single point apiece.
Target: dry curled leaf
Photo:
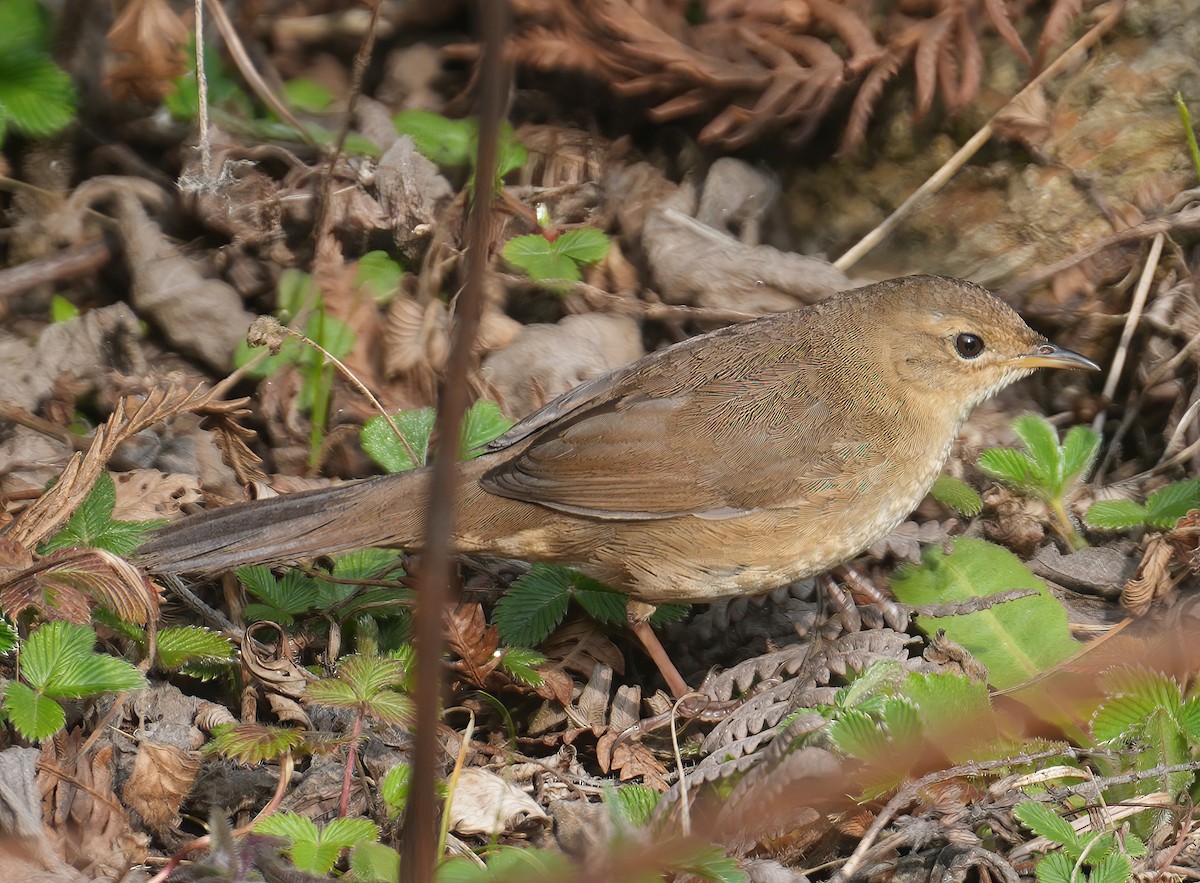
(68, 583)
(483, 804)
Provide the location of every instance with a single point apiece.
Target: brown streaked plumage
(732, 462)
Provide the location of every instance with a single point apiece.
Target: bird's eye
(968, 345)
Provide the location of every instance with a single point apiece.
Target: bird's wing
(716, 449)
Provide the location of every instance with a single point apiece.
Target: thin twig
(1131, 323)
(204, 144)
(964, 153)
(419, 834)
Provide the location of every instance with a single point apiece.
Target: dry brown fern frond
(752, 69)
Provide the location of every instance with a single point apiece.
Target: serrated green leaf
(1116, 515)
(1008, 465)
(585, 245)
(8, 636)
(379, 274)
(391, 709)
(36, 717)
(332, 692)
(375, 863)
(178, 646)
(1158, 690)
(382, 445)
(294, 593)
(37, 97)
(92, 524)
(394, 789)
(288, 826)
(667, 613)
(252, 743)
(1117, 717)
(1189, 720)
(1113, 868)
(349, 831)
(1016, 640)
(1134, 846)
(1041, 441)
(1055, 868)
(521, 662)
(314, 858)
(600, 602)
(540, 259)
(1045, 822)
(880, 678)
(856, 734)
(482, 423)
(903, 721)
(633, 805)
(533, 606)
(1168, 504)
(1079, 449)
(50, 648)
(366, 564)
(512, 863)
(94, 673)
(711, 863)
(956, 494)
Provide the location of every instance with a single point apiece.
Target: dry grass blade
(52, 509)
(61, 585)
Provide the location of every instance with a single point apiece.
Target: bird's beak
(1049, 355)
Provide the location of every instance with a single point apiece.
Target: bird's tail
(383, 511)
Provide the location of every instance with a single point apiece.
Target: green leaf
(483, 423)
(62, 309)
(1010, 466)
(375, 863)
(1189, 720)
(666, 613)
(1056, 868)
(447, 142)
(288, 826)
(558, 260)
(521, 663)
(859, 736)
(711, 863)
(1016, 640)
(903, 720)
(533, 606)
(253, 743)
(294, 291)
(1079, 450)
(1116, 515)
(294, 593)
(178, 646)
(585, 245)
(1113, 868)
(394, 789)
(956, 494)
(92, 524)
(382, 446)
(540, 259)
(632, 804)
(1041, 441)
(36, 717)
(1045, 822)
(307, 95)
(50, 648)
(95, 673)
(380, 275)
(36, 95)
(601, 603)
(8, 636)
(314, 858)
(1168, 504)
(349, 831)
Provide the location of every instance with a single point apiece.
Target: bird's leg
(639, 615)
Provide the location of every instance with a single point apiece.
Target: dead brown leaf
(162, 777)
